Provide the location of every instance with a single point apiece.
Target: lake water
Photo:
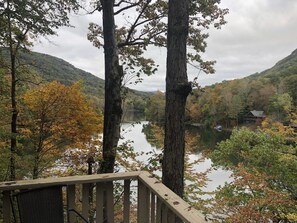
(138, 140)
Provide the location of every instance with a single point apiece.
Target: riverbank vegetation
(229, 103)
(264, 165)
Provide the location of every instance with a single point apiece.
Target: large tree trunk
(113, 81)
(13, 137)
(177, 90)
(14, 113)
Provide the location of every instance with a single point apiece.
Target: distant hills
(283, 75)
(51, 68)
(255, 90)
(273, 91)
(282, 69)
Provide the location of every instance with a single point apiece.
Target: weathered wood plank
(164, 214)
(85, 200)
(143, 203)
(170, 216)
(153, 208)
(96, 178)
(6, 207)
(110, 202)
(158, 211)
(181, 208)
(147, 184)
(99, 202)
(70, 202)
(126, 201)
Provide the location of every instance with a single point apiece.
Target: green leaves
(265, 179)
(145, 24)
(30, 19)
(281, 105)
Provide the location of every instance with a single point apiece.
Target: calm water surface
(217, 177)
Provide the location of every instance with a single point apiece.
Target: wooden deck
(155, 203)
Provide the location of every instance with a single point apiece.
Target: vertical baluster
(85, 200)
(6, 207)
(158, 212)
(99, 202)
(164, 213)
(70, 202)
(153, 208)
(143, 203)
(170, 216)
(110, 202)
(127, 201)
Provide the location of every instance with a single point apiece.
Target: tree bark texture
(177, 90)
(14, 113)
(113, 82)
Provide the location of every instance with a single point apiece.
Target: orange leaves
(264, 185)
(250, 198)
(59, 117)
(278, 128)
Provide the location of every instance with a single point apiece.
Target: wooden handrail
(176, 204)
(156, 203)
(96, 178)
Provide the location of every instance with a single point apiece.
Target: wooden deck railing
(155, 202)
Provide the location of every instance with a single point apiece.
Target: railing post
(99, 202)
(143, 203)
(158, 211)
(153, 208)
(70, 202)
(109, 202)
(126, 201)
(168, 201)
(164, 213)
(171, 217)
(85, 200)
(104, 203)
(6, 207)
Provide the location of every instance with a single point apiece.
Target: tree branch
(127, 7)
(132, 28)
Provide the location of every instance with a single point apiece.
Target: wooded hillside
(47, 68)
(273, 91)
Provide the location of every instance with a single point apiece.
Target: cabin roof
(258, 114)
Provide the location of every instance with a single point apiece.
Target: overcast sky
(258, 34)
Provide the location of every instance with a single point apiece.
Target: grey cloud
(258, 34)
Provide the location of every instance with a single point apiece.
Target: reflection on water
(133, 133)
(132, 116)
(139, 141)
(208, 137)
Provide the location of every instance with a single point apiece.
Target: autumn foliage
(55, 118)
(250, 198)
(264, 164)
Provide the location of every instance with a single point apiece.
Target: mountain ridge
(51, 68)
(284, 67)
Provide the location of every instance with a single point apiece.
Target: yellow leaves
(294, 117)
(250, 198)
(272, 127)
(292, 217)
(59, 117)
